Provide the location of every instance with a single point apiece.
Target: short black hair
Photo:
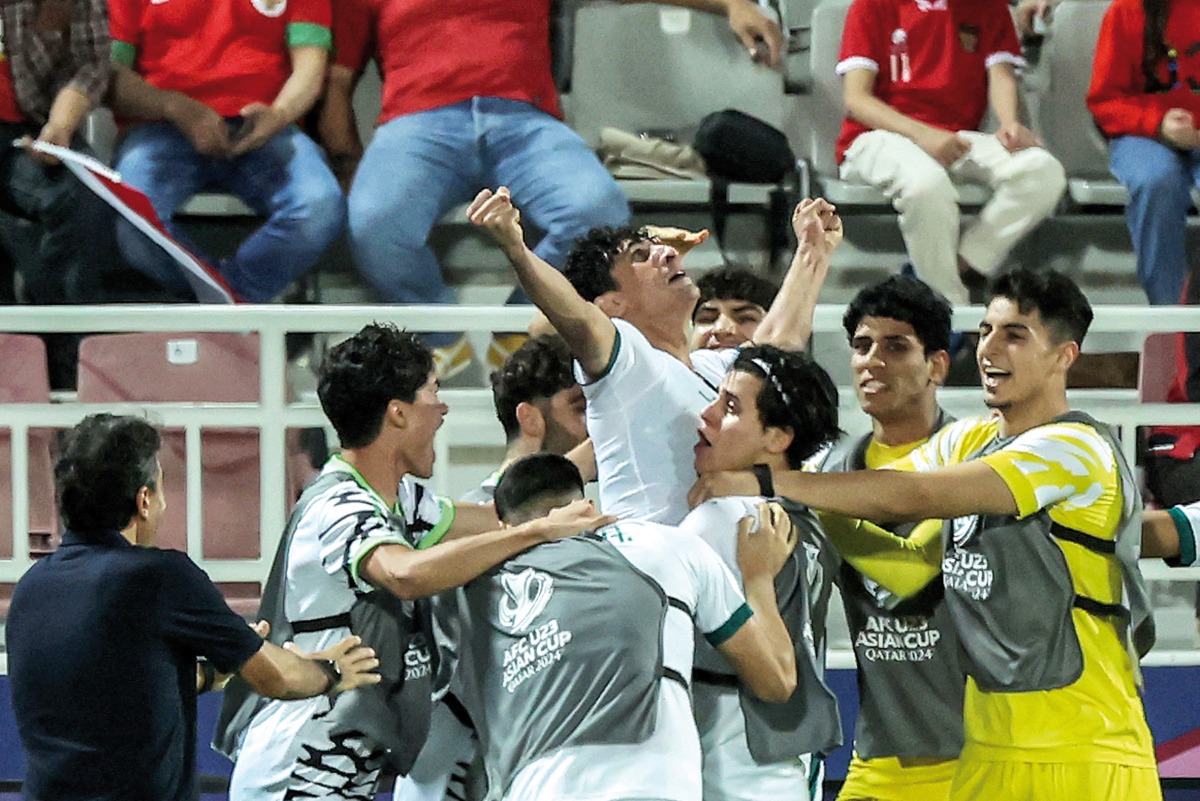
(909, 300)
(590, 263)
(1057, 299)
(540, 368)
(796, 394)
(533, 485)
(364, 373)
(105, 461)
(735, 283)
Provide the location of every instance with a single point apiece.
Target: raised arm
(788, 323)
(588, 332)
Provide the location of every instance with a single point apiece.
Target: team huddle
(672, 644)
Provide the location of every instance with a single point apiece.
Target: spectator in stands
(469, 101)
(1143, 95)
(103, 637)
(212, 91)
(918, 77)
(368, 543)
(733, 301)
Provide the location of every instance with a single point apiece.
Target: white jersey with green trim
(667, 765)
(642, 417)
(281, 748)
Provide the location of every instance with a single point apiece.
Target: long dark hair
(1154, 44)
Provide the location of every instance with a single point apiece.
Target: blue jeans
(286, 180)
(1159, 180)
(418, 166)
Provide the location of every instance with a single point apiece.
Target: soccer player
(623, 305)
(906, 649)
(775, 410)
(577, 658)
(733, 303)
(1040, 539)
(359, 549)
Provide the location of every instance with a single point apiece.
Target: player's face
(426, 412)
(651, 278)
(892, 376)
(1017, 355)
(564, 415)
(725, 323)
(732, 436)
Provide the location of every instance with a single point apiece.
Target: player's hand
(759, 33)
(681, 239)
(816, 221)
(496, 214)
(721, 484)
(946, 147)
(1016, 136)
(259, 123)
(575, 518)
(356, 662)
(1178, 129)
(765, 542)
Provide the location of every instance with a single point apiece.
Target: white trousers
(1026, 186)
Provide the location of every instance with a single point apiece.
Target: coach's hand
(356, 663)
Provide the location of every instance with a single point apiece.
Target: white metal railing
(472, 419)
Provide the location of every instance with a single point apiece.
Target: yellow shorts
(1054, 781)
(898, 779)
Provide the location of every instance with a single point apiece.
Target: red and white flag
(208, 284)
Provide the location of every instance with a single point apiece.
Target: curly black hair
(796, 394)
(364, 373)
(735, 283)
(590, 263)
(105, 461)
(1058, 300)
(540, 368)
(909, 300)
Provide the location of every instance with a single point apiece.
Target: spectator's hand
(1016, 136)
(574, 518)
(1029, 10)
(259, 123)
(765, 543)
(203, 127)
(356, 662)
(495, 213)
(1178, 129)
(722, 484)
(945, 147)
(51, 135)
(758, 33)
(681, 239)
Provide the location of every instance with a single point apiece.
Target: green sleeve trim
(729, 627)
(356, 565)
(308, 34)
(123, 53)
(612, 357)
(1187, 538)
(443, 525)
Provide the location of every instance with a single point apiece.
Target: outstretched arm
(788, 323)
(587, 331)
(283, 673)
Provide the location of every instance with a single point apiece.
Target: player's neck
(378, 468)
(669, 334)
(911, 425)
(1020, 417)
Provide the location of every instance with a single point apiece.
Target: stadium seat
(1156, 368)
(201, 368)
(25, 380)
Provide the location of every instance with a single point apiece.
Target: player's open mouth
(992, 377)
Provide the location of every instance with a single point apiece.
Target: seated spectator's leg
(1026, 186)
(287, 180)
(1159, 182)
(416, 168)
(157, 160)
(924, 196)
(556, 180)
